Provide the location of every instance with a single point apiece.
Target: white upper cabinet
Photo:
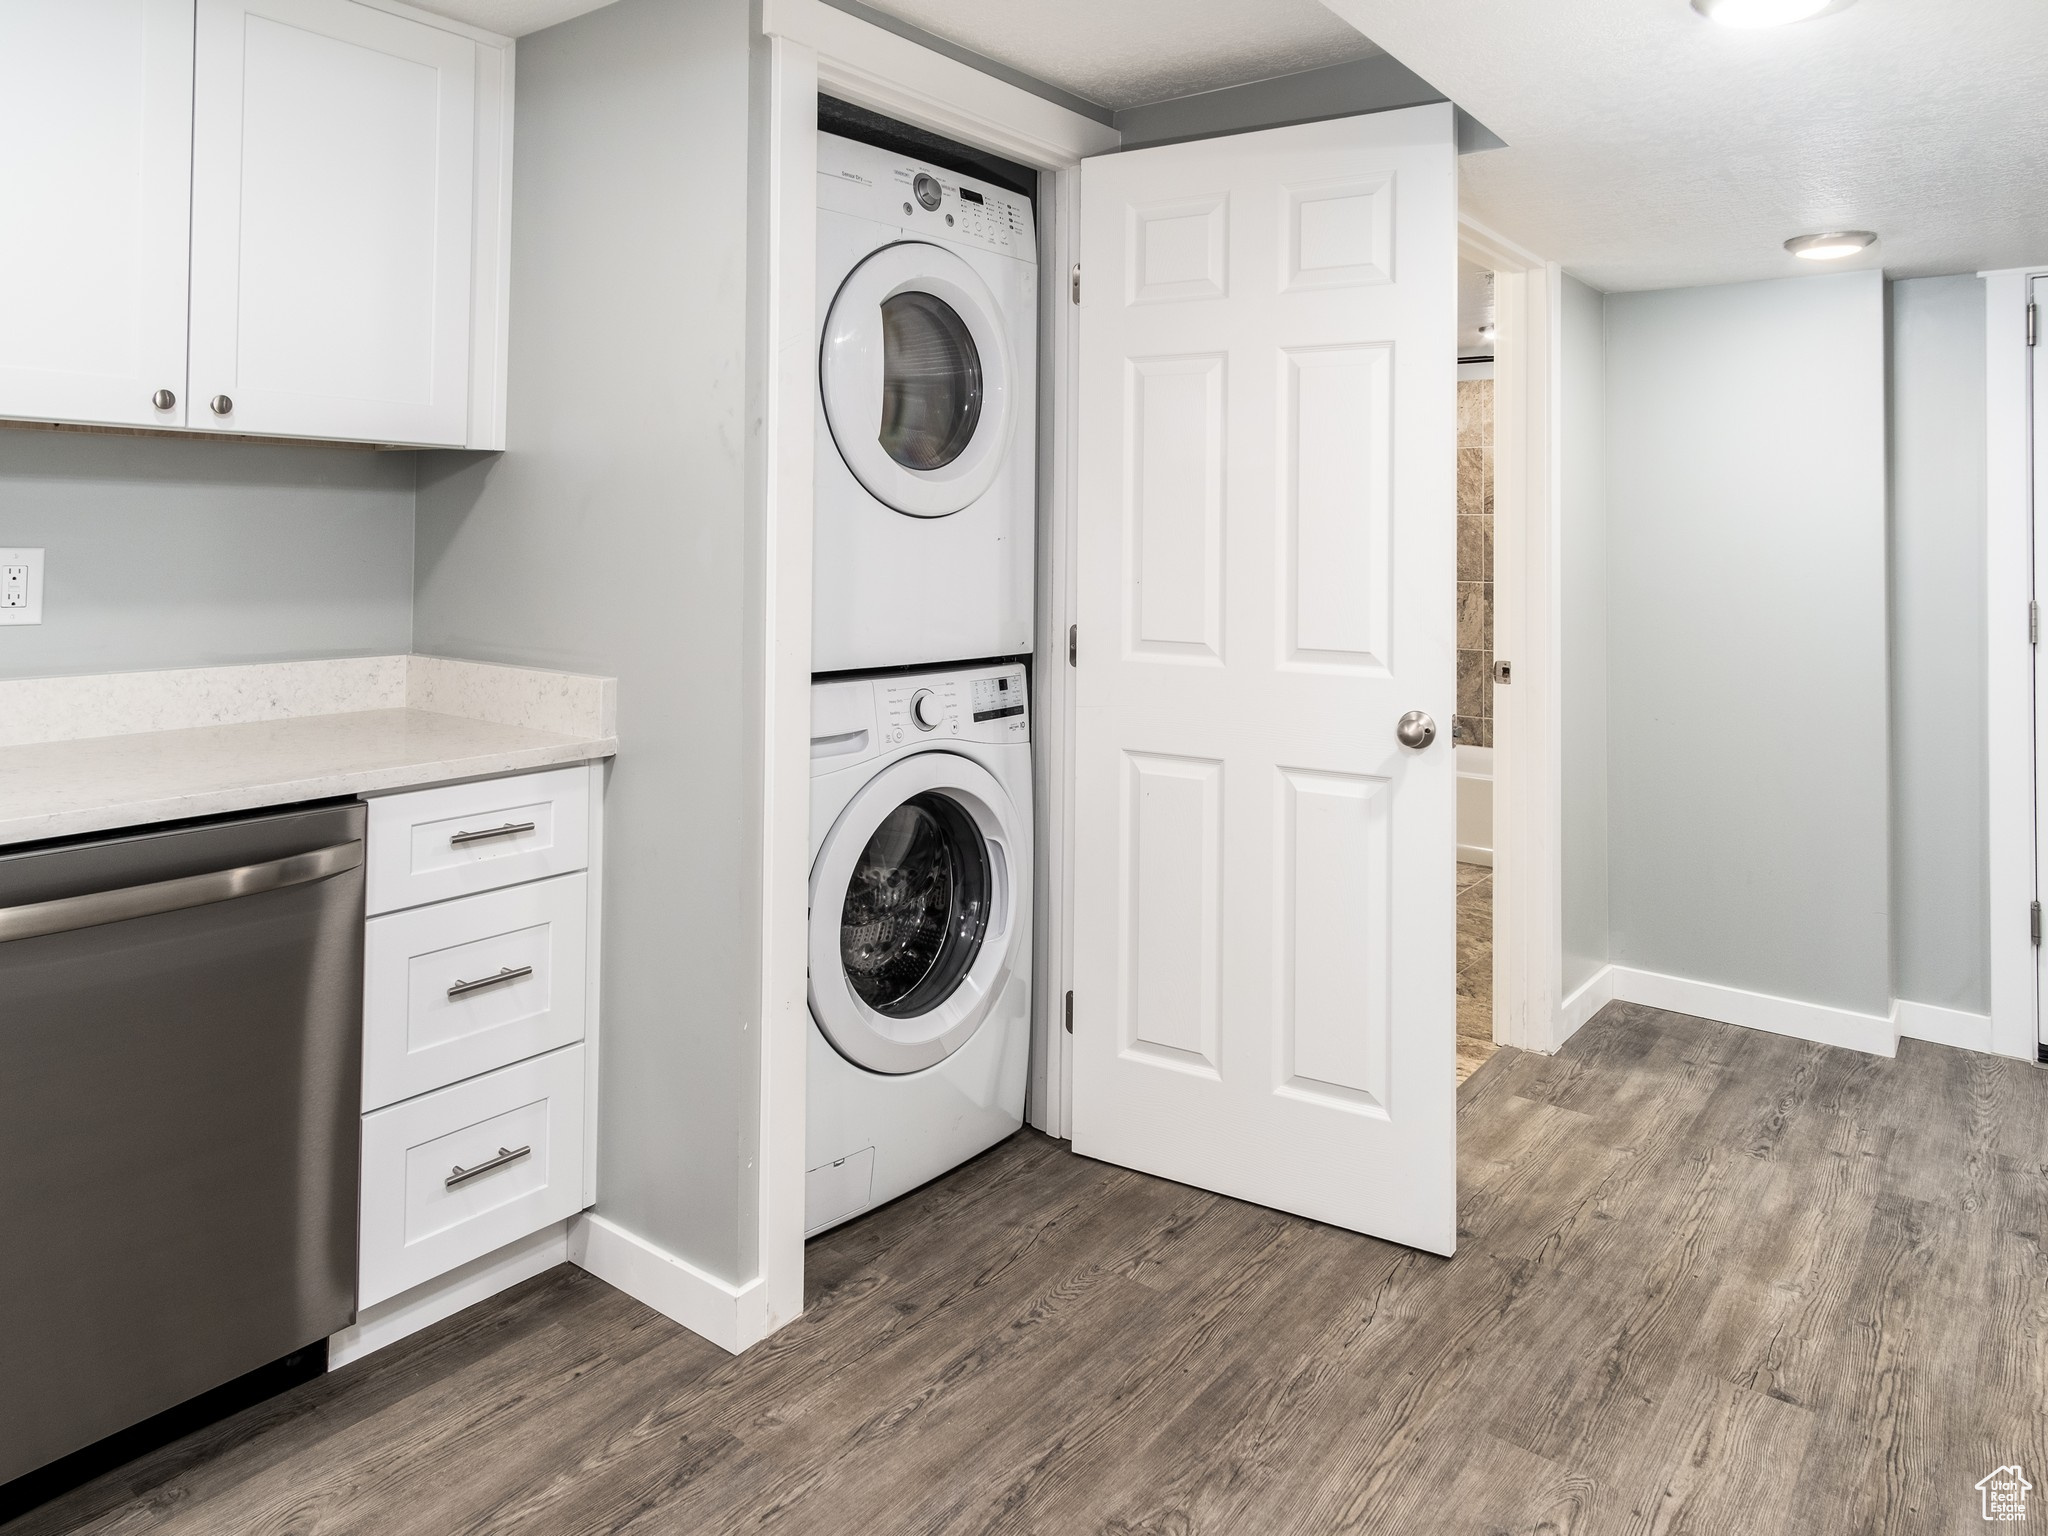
(96, 114)
(337, 173)
(332, 183)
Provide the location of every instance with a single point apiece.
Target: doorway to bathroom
(1472, 727)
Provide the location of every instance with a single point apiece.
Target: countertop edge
(123, 815)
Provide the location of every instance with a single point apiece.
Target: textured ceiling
(1130, 53)
(510, 18)
(1649, 148)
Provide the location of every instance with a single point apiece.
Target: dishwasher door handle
(34, 919)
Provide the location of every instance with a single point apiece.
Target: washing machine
(920, 930)
(927, 412)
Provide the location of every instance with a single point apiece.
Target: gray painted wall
(1583, 627)
(1940, 831)
(1749, 744)
(612, 538)
(163, 552)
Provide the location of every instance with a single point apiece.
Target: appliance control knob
(926, 186)
(926, 712)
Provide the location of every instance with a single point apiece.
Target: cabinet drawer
(436, 843)
(469, 985)
(511, 1142)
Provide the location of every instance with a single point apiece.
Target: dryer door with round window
(914, 897)
(917, 380)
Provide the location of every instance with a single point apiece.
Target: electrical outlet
(21, 586)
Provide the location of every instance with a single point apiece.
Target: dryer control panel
(927, 201)
(983, 704)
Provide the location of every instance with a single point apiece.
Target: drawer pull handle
(510, 829)
(509, 973)
(463, 1175)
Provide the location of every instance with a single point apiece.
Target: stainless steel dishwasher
(180, 1059)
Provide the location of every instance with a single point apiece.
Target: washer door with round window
(915, 374)
(914, 898)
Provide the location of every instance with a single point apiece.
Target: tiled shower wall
(1473, 723)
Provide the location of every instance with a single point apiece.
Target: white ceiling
(510, 18)
(1648, 148)
(1130, 53)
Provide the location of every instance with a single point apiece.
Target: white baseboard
(1943, 1026)
(730, 1316)
(407, 1313)
(1871, 1032)
(1469, 855)
(1595, 993)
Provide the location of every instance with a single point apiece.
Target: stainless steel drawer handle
(463, 1175)
(510, 829)
(509, 973)
(36, 918)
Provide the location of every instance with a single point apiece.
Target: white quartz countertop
(98, 783)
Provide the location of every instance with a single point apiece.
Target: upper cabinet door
(333, 176)
(96, 111)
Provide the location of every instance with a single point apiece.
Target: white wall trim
(1587, 999)
(1875, 1034)
(445, 1295)
(2009, 675)
(730, 1316)
(1528, 918)
(859, 62)
(1943, 1026)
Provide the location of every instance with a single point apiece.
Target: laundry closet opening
(924, 620)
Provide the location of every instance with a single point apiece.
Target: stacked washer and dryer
(921, 848)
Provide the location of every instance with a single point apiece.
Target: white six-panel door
(96, 117)
(332, 186)
(1264, 948)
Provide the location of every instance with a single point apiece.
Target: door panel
(94, 259)
(331, 207)
(1264, 878)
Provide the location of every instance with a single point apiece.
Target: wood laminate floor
(1709, 1280)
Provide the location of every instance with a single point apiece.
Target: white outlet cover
(31, 560)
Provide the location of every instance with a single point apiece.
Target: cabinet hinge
(1070, 1013)
(1076, 290)
(2033, 312)
(2035, 922)
(1073, 645)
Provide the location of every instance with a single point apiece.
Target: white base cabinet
(479, 1023)
(277, 218)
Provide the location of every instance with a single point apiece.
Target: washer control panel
(980, 704)
(927, 200)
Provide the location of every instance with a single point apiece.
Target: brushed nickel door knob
(220, 405)
(163, 400)
(1415, 729)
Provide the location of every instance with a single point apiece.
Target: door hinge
(1070, 1013)
(2035, 922)
(2033, 623)
(1073, 645)
(1077, 282)
(2033, 312)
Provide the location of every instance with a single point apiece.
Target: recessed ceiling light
(1763, 13)
(1832, 246)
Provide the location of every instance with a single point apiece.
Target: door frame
(2012, 545)
(807, 46)
(1529, 1005)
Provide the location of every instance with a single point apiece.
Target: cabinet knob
(163, 400)
(220, 405)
